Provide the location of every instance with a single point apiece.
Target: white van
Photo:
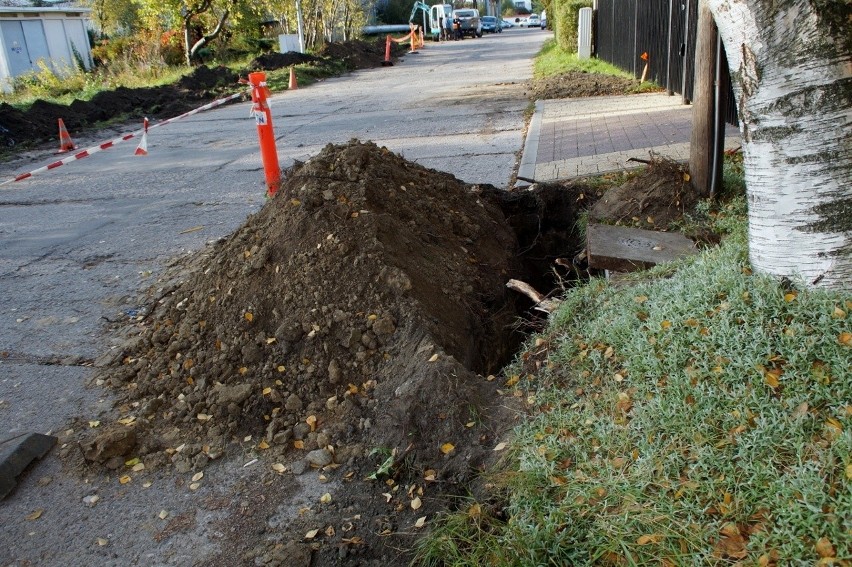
(437, 14)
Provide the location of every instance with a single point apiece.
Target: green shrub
(565, 22)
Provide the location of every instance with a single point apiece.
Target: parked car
(490, 24)
(507, 23)
(533, 21)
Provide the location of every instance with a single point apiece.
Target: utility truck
(470, 24)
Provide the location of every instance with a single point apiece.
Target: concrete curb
(17, 453)
(530, 153)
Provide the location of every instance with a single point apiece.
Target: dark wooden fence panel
(665, 29)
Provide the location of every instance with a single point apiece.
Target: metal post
(669, 90)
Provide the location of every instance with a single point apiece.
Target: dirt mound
(270, 61)
(208, 78)
(579, 84)
(655, 198)
(359, 54)
(350, 323)
(368, 282)
(38, 124)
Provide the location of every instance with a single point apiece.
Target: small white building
(522, 5)
(53, 34)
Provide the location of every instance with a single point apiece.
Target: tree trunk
(211, 36)
(791, 65)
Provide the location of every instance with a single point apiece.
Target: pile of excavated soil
(653, 199)
(367, 295)
(274, 60)
(360, 54)
(39, 123)
(578, 84)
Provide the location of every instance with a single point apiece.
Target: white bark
(792, 72)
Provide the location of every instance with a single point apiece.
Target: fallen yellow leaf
(420, 522)
(849, 471)
(838, 313)
(311, 534)
(325, 498)
(279, 468)
(35, 514)
(649, 538)
(197, 476)
(845, 338)
(640, 298)
(416, 503)
(94, 423)
(249, 317)
(263, 445)
(790, 297)
(312, 421)
(125, 479)
(127, 420)
(514, 379)
(666, 324)
(433, 358)
(447, 448)
(824, 548)
(267, 391)
(500, 446)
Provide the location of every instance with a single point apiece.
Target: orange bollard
(422, 39)
(413, 43)
(65, 141)
(387, 62)
(265, 134)
(293, 85)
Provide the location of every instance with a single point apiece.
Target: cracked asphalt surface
(81, 241)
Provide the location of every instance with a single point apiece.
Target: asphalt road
(78, 243)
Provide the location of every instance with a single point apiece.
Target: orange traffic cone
(142, 148)
(65, 142)
(293, 84)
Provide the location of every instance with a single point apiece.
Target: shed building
(54, 35)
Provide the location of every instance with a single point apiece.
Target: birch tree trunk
(791, 64)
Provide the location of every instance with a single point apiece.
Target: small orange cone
(65, 142)
(142, 148)
(293, 84)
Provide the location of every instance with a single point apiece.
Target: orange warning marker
(387, 62)
(142, 148)
(293, 84)
(65, 142)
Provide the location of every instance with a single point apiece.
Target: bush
(565, 22)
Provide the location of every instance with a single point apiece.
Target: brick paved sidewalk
(590, 136)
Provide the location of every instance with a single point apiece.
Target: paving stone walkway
(581, 137)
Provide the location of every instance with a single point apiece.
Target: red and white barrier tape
(106, 145)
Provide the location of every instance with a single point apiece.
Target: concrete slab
(17, 453)
(623, 249)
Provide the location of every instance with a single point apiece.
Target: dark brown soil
(38, 124)
(579, 84)
(653, 199)
(272, 61)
